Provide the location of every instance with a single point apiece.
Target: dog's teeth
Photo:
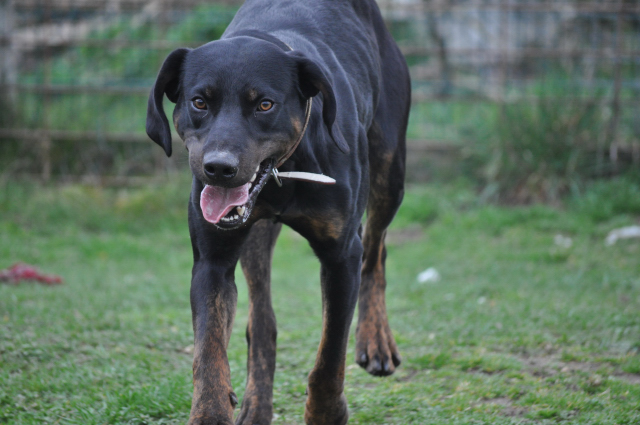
(254, 177)
(235, 217)
(257, 168)
(240, 211)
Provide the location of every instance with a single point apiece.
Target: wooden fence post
(615, 102)
(45, 146)
(503, 47)
(8, 72)
(46, 103)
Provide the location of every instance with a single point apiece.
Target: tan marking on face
(195, 158)
(252, 95)
(296, 123)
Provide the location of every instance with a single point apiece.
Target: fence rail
(605, 6)
(459, 52)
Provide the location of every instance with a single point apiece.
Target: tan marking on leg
(328, 226)
(211, 383)
(211, 375)
(257, 405)
(376, 349)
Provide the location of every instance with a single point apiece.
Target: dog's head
(240, 107)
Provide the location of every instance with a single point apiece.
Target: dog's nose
(220, 166)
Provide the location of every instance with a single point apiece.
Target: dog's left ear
(167, 82)
(313, 80)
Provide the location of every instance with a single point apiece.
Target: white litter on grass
(622, 233)
(429, 275)
(562, 241)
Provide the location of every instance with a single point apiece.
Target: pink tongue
(216, 201)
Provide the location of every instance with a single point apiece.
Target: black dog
(318, 87)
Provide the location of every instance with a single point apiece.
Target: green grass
(518, 329)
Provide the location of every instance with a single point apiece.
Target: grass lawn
(519, 328)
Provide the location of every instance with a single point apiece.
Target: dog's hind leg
(376, 349)
(257, 252)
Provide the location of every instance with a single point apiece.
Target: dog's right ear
(312, 81)
(168, 82)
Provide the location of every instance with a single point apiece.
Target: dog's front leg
(340, 279)
(213, 305)
(257, 404)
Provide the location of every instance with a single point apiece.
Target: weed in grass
(542, 150)
(606, 199)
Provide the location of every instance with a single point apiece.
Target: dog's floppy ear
(167, 82)
(313, 80)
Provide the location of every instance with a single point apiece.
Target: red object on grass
(21, 271)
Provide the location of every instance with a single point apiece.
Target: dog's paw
(322, 410)
(201, 415)
(376, 349)
(254, 411)
(208, 421)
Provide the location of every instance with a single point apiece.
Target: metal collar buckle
(274, 173)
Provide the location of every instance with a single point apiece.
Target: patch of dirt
(501, 401)
(508, 409)
(631, 378)
(481, 371)
(514, 411)
(551, 365)
(402, 236)
(546, 366)
(408, 376)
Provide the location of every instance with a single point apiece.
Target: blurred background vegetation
(528, 100)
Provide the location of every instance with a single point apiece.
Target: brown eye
(199, 103)
(265, 105)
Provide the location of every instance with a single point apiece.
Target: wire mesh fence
(497, 85)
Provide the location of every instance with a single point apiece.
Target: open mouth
(228, 208)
